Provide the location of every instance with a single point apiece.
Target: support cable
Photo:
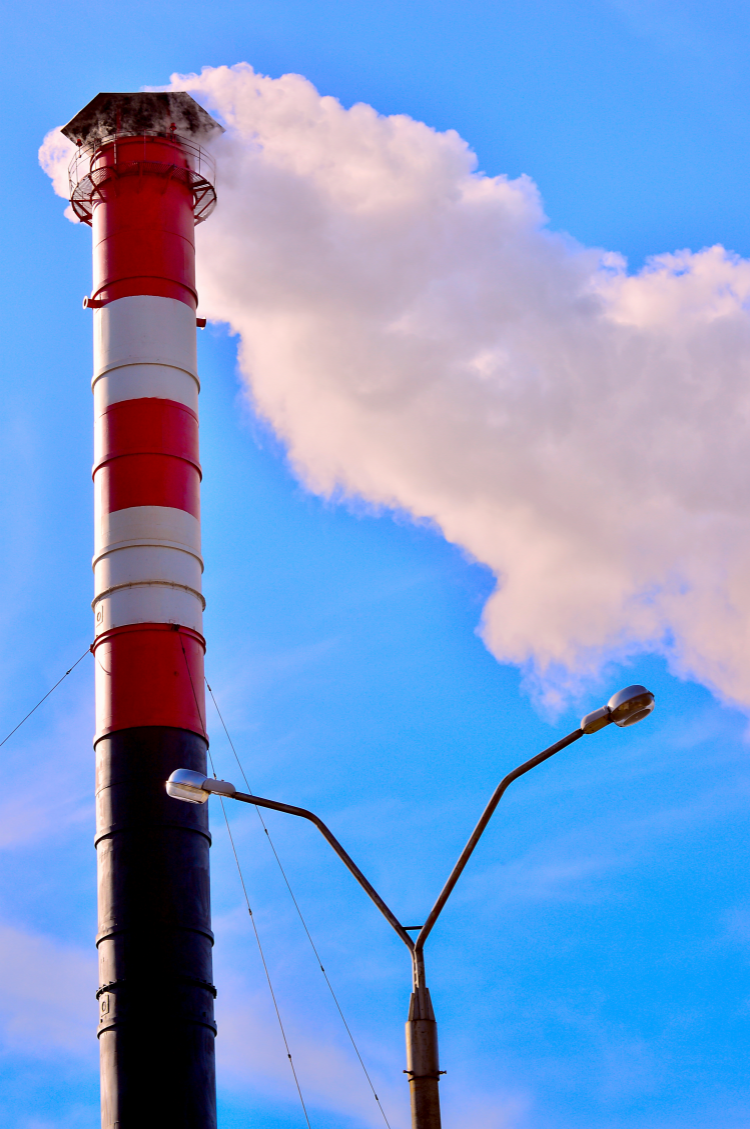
(247, 899)
(299, 912)
(263, 959)
(44, 699)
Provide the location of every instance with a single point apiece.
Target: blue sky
(592, 971)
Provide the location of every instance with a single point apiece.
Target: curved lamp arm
(328, 835)
(476, 834)
(624, 709)
(192, 786)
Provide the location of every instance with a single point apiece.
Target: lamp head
(624, 708)
(631, 705)
(195, 788)
(184, 784)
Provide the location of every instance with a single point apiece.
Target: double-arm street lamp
(625, 708)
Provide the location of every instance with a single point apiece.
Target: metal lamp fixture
(194, 787)
(631, 705)
(624, 709)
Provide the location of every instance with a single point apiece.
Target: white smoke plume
(419, 338)
(54, 156)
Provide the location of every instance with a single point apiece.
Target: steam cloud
(419, 338)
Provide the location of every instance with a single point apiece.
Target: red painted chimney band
(148, 480)
(147, 455)
(144, 426)
(144, 678)
(143, 221)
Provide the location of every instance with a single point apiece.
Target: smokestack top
(142, 112)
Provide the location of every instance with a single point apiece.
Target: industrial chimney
(141, 180)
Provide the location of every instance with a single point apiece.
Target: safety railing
(100, 161)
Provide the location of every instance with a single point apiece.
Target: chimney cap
(141, 112)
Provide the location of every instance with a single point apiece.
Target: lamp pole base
(422, 1061)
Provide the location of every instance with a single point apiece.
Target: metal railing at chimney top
(196, 168)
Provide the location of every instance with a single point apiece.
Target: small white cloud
(41, 976)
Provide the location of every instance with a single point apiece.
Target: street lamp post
(422, 1064)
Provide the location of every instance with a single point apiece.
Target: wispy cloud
(47, 996)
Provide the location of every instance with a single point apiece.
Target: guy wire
(247, 899)
(299, 911)
(263, 957)
(36, 707)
